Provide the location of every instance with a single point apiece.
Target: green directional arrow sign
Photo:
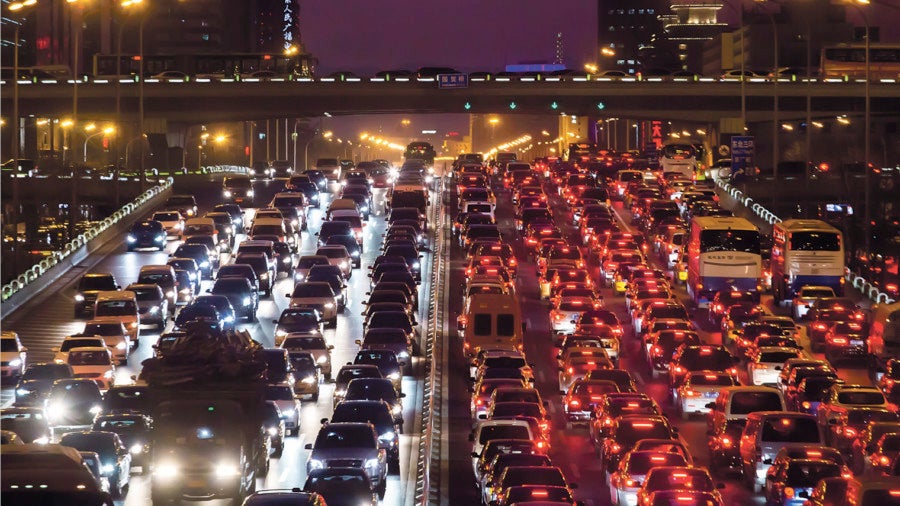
(468, 106)
(601, 105)
(554, 105)
(512, 105)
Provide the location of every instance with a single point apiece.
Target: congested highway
(43, 323)
(571, 447)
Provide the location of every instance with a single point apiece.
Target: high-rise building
(626, 27)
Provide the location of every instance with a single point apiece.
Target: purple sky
(469, 35)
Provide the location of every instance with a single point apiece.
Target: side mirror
(710, 405)
(472, 438)
(358, 342)
(55, 349)
(323, 421)
(209, 290)
(562, 392)
(275, 322)
(308, 446)
(287, 295)
(402, 396)
(482, 416)
(330, 346)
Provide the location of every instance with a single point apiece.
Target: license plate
(196, 483)
(856, 342)
(682, 276)
(710, 395)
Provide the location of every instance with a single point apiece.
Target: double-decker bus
(724, 254)
(848, 61)
(805, 252)
(679, 156)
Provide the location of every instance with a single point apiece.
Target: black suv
(146, 234)
(87, 290)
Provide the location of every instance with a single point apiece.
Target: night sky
(469, 35)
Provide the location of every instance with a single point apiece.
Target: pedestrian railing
(34, 273)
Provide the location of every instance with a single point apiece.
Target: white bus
(805, 252)
(679, 156)
(723, 255)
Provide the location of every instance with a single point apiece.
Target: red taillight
(691, 393)
(849, 432)
(479, 402)
(726, 441)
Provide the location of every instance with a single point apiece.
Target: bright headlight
(229, 319)
(388, 436)
(79, 297)
(315, 464)
(249, 193)
(394, 375)
(130, 238)
(415, 265)
(22, 391)
(264, 275)
(108, 375)
(185, 290)
(354, 254)
(280, 333)
(41, 440)
(372, 463)
(322, 359)
(154, 309)
(364, 209)
(395, 409)
(170, 293)
(309, 380)
(236, 221)
(403, 354)
(286, 261)
(107, 469)
(96, 408)
(329, 305)
(223, 470)
(343, 265)
(287, 413)
(226, 194)
(16, 362)
(136, 449)
(295, 222)
(272, 431)
(121, 346)
(165, 470)
(229, 230)
(339, 393)
(204, 264)
(246, 301)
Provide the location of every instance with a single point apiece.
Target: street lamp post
(105, 131)
(126, 4)
(867, 227)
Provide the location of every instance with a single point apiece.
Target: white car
(764, 368)
(94, 363)
(61, 352)
(485, 430)
(12, 355)
(172, 221)
(805, 297)
(699, 389)
(113, 333)
(282, 395)
(317, 294)
(569, 309)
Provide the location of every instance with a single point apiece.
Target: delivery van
(491, 321)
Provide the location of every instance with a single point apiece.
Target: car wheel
(382, 487)
(315, 396)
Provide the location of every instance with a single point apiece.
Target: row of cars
(52, 393)
(749, 425)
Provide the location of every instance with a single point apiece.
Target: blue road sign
(743, 149)
(453, 81)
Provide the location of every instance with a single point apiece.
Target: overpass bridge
(703, 101)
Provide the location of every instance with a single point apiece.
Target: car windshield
(180, 201)
(92, 283)
(376, 414)
(89, 358)
(860, 397)
(8, 344)
(279, 393)
(305, 343)
(312, 290)
(89, 442)
(712, 380)
(118, 425)
(104, 329)
(69, 344)
(595, 388)
(116, 308)
(345, 437)
(166, 216)
(298, 319)
(50, 371)
(373, 390)
(344, 486)
(711, 359)
(146, 294)
(230, 285)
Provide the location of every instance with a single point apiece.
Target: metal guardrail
(856, 281)
(430, 430)
(34, 273)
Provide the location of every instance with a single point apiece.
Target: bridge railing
(35, 272)
(858, 282)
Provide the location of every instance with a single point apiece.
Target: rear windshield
(503, 432)
(743, 403)
(97, 283)
(861, 397)
(790, 430)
